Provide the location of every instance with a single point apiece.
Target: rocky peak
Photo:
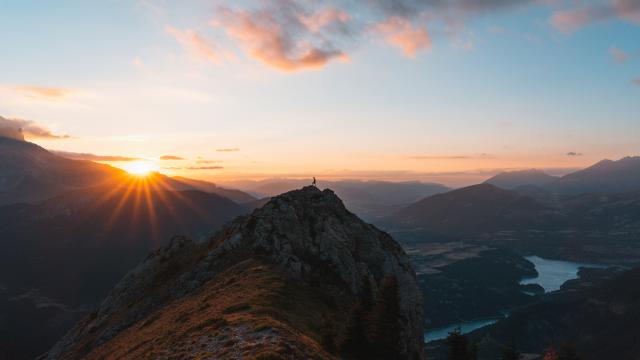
(306, 235)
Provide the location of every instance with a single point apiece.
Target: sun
(140, 168)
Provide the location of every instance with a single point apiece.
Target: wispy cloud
(205, 167)
(171, 157)
(636, 82)
(586, 13)
(197, 45)
(41, 92)
(28, 128)
(93, 157)
(205, 161)
(618, 55)
(573, 153)
(227, 150)
(451, 157)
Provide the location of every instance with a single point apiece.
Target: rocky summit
(299, 278)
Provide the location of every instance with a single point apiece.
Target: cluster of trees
(373, 330)
(566, 353)
(460, 349)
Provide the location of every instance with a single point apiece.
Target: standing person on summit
(314, 181)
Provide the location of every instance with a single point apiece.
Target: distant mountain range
(513, 179)
(606, 176)
(484, 209)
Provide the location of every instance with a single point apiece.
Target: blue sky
(444, 92)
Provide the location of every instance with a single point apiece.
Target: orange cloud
(399, 32)
(170, 157)
(50, 93)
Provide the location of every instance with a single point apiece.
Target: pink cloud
(628, 9)
(286, 38)
(197, 45)
(400, 33)
(575, 18)
(636, 81)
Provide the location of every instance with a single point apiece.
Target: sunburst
(141, 168)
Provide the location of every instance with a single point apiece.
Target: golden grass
(250, 311)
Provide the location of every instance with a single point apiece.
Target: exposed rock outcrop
(266, 284)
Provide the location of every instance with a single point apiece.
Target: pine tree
(355, 343)
(510, 353)
(366, 295)
(474, 350)
(384, 324)
(458, 346)
(567, 353)
(328, 339)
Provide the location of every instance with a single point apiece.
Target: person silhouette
(314, 181)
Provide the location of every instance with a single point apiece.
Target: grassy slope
(251, 310)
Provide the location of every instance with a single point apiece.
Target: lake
(553, 273)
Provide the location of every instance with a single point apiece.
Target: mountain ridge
(512, 179)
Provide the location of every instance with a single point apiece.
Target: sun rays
(146, 204)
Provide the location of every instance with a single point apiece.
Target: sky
(432, 90)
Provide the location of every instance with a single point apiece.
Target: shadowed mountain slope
(471, 211)
(29, 173)
(60, 257)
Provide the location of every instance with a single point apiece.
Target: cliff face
(268, 284)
